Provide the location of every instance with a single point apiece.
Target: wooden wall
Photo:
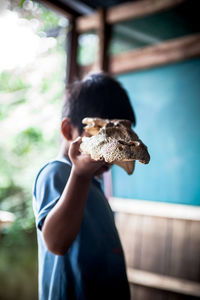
(162, 248)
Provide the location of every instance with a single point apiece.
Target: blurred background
(32, 73)
(153, 49)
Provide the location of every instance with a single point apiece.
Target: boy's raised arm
(63, 222)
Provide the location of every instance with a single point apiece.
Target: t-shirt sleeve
(49, 185)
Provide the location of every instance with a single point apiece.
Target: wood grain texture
(185, 250)
(133, 10)
(130, 230)
(193, 251)
(163, 53)
(162, 254)
(155, 209)
(153, 245)
(72, 46)
(104, 33)
(161, 282)
(126, 11)
(145, 293)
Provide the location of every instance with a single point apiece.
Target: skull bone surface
(115, 142)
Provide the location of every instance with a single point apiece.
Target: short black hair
(98, 95)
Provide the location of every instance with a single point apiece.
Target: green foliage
(10, 82)
(26, 139)
(24, 148)
(21, 3)
(9, 190)
(30, 105)
(18, 273)
(44, 85)
(7, 108)
(50, 19)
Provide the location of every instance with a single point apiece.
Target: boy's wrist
(80, 175)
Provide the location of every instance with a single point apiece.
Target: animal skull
(115, 142)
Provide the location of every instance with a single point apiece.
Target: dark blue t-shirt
(93, 267)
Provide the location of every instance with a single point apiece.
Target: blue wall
(167, 106)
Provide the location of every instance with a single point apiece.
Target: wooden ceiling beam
(163, 53)
(139, 9)
(124, 12)
(171, 51)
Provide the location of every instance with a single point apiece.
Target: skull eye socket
(122, 142)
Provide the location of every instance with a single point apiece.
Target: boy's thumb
(74, 147)
(77, 141)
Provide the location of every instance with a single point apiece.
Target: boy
(80, 254)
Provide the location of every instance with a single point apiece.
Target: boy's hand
(83, 164)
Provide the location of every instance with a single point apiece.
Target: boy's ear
(66, 129)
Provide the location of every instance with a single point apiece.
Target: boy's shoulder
(55, 168)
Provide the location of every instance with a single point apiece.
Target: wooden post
(104, 31)
(72, 47)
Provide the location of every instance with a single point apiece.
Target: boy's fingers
(75, 145)
(78, 140)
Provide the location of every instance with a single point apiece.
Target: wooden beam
(162, 282)
(83, 70)
(87, 23)
(155, 209)
(163, 53)
(126, 11)
(72, 46)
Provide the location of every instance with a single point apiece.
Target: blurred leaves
(10, 82)
(50, 19)
(25, 140)
(30, 107)
(30, 104)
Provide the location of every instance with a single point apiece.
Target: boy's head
(98, 95)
